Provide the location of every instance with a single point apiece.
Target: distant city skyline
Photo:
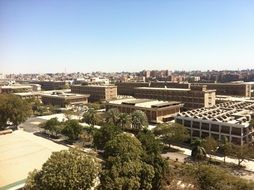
(134, 35)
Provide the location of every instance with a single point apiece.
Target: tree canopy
(124, 121)
(112, 116)
(139, 120)
(72, 129)
(152, 155)
(68, 169)
(208, 177)
(123, 167)
(171, 133)
(198, 152)
(53, 126)
(210, 145)
(104, 134)
(13, 109)
(241, 152)
(91, 117)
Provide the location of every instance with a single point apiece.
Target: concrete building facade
(15, 89)
(64, 99)
(231, 89)
(96, 92)
(127, 88)
(195, 97)
(51, 85)
(230, 120)
(156, 111)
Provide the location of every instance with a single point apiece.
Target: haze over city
(86, 36)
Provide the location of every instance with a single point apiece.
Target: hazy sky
(131, 35)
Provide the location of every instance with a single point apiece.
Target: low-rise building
(229, 119)
(29, 95)
(231, 89)
(127, 88)
(49, 85)
(62, 99)
(96, 92)
(155, 110)
(36, 87)
(195, 97)
(15, 89)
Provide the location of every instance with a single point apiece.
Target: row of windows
(212, 127)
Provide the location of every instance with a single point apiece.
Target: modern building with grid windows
(229, 119)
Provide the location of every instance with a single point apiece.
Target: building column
(219, 132)
(210, 130)
(200, 131)
(230, 134)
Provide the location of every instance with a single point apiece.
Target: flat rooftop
(173, 89)
(15, 87)
(232, 98)
(97, 86)
(217, 84)
(27, 93)
(228, 112)
(167, 89)
(246, 105)
(58, 94)
(21, 153)
(145, 103)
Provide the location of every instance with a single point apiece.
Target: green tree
(124, 121)
(13, 109)
(225, 148)
(95, 106)
(72, 129)
(68, 169)
(123, 167)
(112, 116)
(53, 126)
(150, 143)
(152, 150)
(171, 133)
(69, 113)
(202, 176)
(252, 123)
(241, 153)
(210, 177)
(139, 120)
(126, 146)
(91, 117)
(210, 145)
(104, 134)
(85, 137)
(198, 152)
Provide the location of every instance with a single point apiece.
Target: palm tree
(138, 120)
(198, 152)
(225, 148)
(124, 121)
(112, 116)
(91, 117)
